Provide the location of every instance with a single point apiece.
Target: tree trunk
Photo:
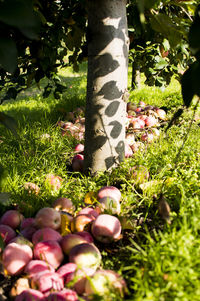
(135, 81)
(106, 83)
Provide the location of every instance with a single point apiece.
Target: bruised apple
(85, 256)
(15, 257)
(49, 251)
(106, 228)
(48, 217)
(12, 218)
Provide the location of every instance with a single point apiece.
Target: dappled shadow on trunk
(105, 108)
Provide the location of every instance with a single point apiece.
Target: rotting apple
(15, 257)
(49, 251)
(106, 228)
(69, 241)
(46, 234)
(48, 217)
(82, 222)
(85, 256)
(12, 218)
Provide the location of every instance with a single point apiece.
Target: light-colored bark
(107, 82)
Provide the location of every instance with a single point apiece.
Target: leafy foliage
(35, 38)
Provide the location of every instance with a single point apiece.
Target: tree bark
(106, 83)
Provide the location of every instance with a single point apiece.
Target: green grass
(158, 261)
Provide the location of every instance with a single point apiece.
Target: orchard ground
(158, 260)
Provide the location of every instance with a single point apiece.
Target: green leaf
(10, 123)
(20, 14)
(164, 25)
(160, 62)
(8, 54)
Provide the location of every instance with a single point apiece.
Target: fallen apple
(70, 240)
(64, 295)
(46, 234)
(30, 295)
(32, 188)
(77, 162)
(90, 211)
(106, 228)
(53, 182)
(7, 233)
(15, 257)
(20, 285)
(78, 279)
(49, 251)
(86, 235)
(36, 266)
(82, 222)
(27, 222)
(63, 204)
(65, 270)
(12, 218)
(46, 282)
(110, 205)
(48, 217)
(85, 256)
(109, 191)
(103, 282)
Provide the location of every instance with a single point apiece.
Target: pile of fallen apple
(53, 254)
(142, 126)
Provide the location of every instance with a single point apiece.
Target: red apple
(86, 235)
(79, 148)
(27, 222)
(37, 266)
(48, 217)
(106, 228)
(109, 191)
(7, 233)
(70, 240)
(85, 256)
(82, 222)
(90, 211)
(15, 257)
(161, 113)
(65, 270)
(12, 218)
(45, 282)
(30, 295)
(77, 162)
(28, 232)
(46, 234)
(49, 251)
(65, 295)
(63, 204)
